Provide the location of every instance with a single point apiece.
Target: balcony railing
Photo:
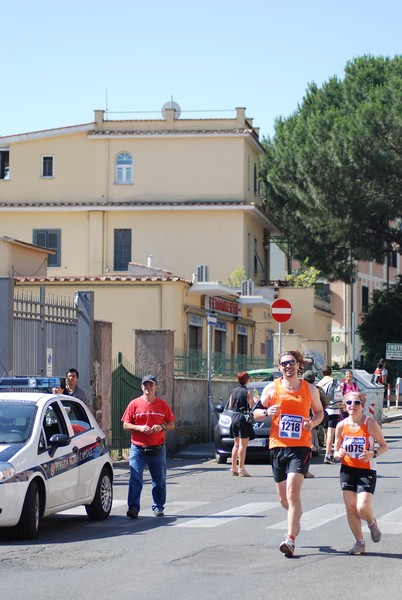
(194, 363)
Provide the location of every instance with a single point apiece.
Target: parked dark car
(257, 448)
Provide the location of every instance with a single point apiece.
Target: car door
(59, 465)
(86, 440)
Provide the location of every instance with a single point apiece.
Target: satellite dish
(175, 106)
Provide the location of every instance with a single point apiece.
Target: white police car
(53, 456)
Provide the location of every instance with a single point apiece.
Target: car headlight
(7, 471)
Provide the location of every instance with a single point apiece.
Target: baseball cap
(148, 378)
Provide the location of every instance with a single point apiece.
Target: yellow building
(111, 195)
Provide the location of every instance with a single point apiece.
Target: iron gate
(44, 330)
(125, 387)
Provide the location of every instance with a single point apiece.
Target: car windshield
(16, 421)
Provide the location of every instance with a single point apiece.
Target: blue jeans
(157, 469)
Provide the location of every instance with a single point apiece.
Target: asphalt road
(219, 539)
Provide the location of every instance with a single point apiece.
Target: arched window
(124, 168)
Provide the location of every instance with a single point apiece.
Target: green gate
(125, 387)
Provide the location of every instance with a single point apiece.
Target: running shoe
(358, 548)
(329, 460)
(158, 512)
(287, 546)
(375, 531)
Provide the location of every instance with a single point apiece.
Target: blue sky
(63, 59)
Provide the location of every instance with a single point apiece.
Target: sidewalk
(391, 414)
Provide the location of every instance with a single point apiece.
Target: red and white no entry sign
(281, 310)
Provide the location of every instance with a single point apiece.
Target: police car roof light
(33, 383)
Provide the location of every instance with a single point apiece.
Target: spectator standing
(72, 388)
(289, 400)
(241, 402)
(333, 415)
(381, 375)
(147, 418)
(348, 385)
(355, 446)
(319, 430)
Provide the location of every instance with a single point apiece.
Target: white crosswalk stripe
(227, 516)
(316, 517)
(390, 523)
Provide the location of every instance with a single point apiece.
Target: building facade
(111, 198)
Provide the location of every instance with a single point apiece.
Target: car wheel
(221, 460)
(28, 526)
(101, 505)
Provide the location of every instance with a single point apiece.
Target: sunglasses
(290, 362)
(355, 402)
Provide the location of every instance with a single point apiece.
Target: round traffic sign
(281, 310)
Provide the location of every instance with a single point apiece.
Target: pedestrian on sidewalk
(289, 400)
(318, 432)
(333, 411)
(147, 418)
(72, 388)
(241, 402)
(355, 439)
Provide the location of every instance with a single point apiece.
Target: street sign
(394, 352)
(49, 362)
(281, 310)
(211, 319)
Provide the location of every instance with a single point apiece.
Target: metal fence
(125, 387)
(195, 363)
(45, 331)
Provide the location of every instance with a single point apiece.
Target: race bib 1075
(354, 445)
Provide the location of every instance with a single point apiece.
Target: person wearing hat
(147, 418)
(311, 377)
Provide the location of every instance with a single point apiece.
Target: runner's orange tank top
(355, 443)
(287, 426)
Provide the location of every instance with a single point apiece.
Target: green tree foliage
(382, 323)
(333, 170)
(306, 277)
(236, 277)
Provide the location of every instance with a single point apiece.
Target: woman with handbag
(241, 402)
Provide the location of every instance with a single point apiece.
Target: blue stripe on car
(9, 452)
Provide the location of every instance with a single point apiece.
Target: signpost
(212, 320)
(281, 311)
(393, 352)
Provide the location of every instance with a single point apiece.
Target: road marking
(389, 523)
(316, 517)
(178, 507)
(227, 516)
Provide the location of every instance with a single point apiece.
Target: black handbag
(249, 418)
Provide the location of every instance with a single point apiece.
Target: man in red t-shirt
(147, 418)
